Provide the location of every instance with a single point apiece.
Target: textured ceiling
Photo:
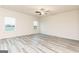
(30, 9)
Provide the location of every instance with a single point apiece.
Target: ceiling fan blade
(37, 12)
(42, 9)
(47, 11)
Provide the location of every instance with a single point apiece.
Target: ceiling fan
(42, 11)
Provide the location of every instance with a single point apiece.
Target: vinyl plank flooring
(39, 43)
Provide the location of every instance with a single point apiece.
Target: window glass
(9, 24)
(35, 23)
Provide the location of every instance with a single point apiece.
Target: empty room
(39, 28)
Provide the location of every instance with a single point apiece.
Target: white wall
(24, 23)
(64, 25)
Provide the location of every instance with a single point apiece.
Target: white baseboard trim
(60, 36)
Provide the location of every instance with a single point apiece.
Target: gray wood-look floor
(39, 43)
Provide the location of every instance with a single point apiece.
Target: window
(35, 24)
(9, 24)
